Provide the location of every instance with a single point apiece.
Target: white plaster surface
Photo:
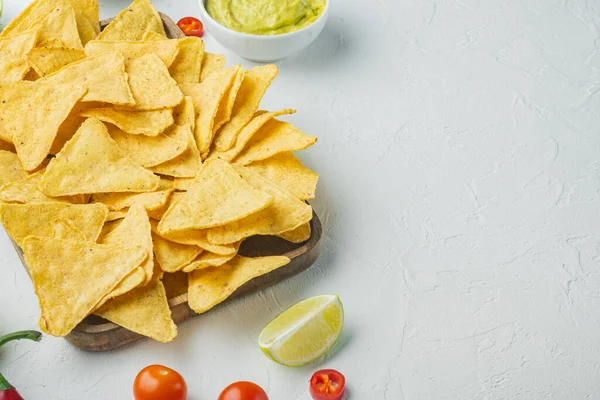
(460, 194)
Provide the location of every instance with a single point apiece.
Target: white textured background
(460, 159)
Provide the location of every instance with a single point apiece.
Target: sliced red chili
(327, 384)
(191, 26)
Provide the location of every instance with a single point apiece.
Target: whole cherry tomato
(327, 384)
(191, 26)
(243, 391)
(156, 382)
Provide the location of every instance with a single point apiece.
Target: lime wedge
(303, 332)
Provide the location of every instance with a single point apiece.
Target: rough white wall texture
(460, 194)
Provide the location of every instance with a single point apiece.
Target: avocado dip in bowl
(264, 30)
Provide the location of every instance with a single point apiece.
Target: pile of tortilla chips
(133, 166)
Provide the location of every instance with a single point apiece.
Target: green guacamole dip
(265, 17)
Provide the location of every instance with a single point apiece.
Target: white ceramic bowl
(261, 48)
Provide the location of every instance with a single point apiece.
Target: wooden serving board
(97, 334)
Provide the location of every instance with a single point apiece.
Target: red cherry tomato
(191, 26)
(327, 384)
(156, 382)
(243, 391)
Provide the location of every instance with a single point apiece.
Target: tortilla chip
(260, 118)
(147, 151)
(197, 237)
(171, 256)
(160, 212)
(151, 85)
(187, 65)
(104, 77)
(188, 163)
(285, 212)
(145, 311)
(255, 84)
(288, 172)
(33, 132)
(298, 235)
(114, 216)
(24, 191)
(58, 29)
(151, 36)
(92, 162)
(218, 196)
(175, 284)
(272, 138)
(70, 126)
(211, 63)
(22, 220)
(228, 101)
(185, 114)
(47, 60)
(208, 260)
(13, 63)
(70, 278)
(149, 123)
(119, 201)
(91, 10)
(166, 50)
(206, 97)
(183, 183)
(11, 169)
(133, 22)
(211, 286)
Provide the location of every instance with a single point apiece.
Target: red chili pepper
(7, 391)
(327, 384)
(191, 26)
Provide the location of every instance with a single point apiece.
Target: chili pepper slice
(327, 384)
(191, 26)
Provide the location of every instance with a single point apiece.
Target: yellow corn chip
(149, 123)
(209, 287)
(91, 10)
(25, 191)
(217, 197)
(13, 63)
(160, 212)
(151, 36)
(260, 118)
(22, 220)
(166, 50)
(119, 201)
(114, 216)
(175, 284)
(298, 235)
(58, 29)
(227, 102)
(92, 162)
(33, 132)
(104, 77)
(70, 278)
(208, 260)
(206, 97)
(151, 85)
(172, 256)
(197, 237)
(186, 68)
(11, 169)
(147, 151)
(145, 311)
(182, 183)
(211, 63)
(47, 60)
(255, 84)
(285, 212)
(70, 126)
(272, 138)
(288, 172)
(133, 22)
(188, 163)
(184, 114)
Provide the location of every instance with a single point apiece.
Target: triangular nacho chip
(298, 235)
(13, 63)
(70, 278)
(166, 50)
(149, 123)
(47, 60)
(187, 65)
(188, 163)
(118, 201)
(288, 172)
(160, 212)
(92, 162)
(255, 84)
(211, 63)
(218, 196)
(145, 311)
(228, 101)
(211, 286)
(104, 77)
(58, 29)
(284, 213)
(197, 237)
(22, 220)
(131, 23)
(11, 169)
(25, 191)
(151, 85)
(172, 256)
(47, 106)
(208, 260)
(272, 138)
(148, 151)
(206, 97)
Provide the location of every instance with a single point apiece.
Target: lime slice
(303, 332)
